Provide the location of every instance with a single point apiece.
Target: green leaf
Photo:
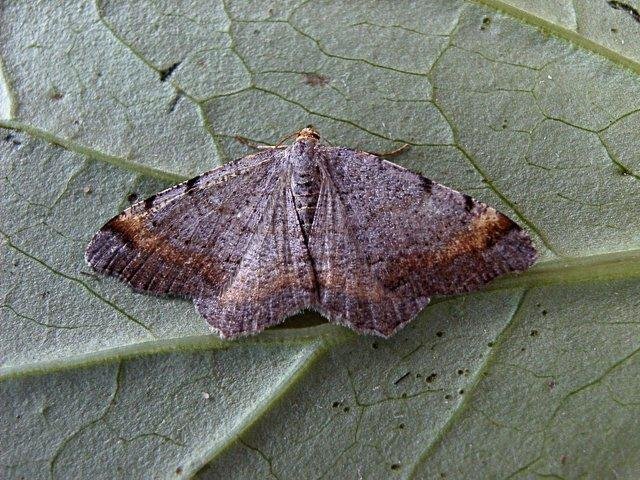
(533, 107)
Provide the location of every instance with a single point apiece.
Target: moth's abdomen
(305, 183)
(306, 189)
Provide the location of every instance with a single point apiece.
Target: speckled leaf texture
(530, 106)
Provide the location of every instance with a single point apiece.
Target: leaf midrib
(561, 32)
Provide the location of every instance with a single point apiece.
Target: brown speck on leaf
(551, 384)
(132, 197)
(178, 470)
(402, 378)
(534, 333)
(563, 459)
(87, 190)
(316, 80)
(431, 377)
(167, 72)
(11, 138)
(55, 94)
(439, 334)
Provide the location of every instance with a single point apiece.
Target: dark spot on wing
(148, 203)
(468, 202)
(426, 184)
(192, 182)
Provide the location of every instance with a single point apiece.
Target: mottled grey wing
(198, 239)
(385, 239)
(273, 280)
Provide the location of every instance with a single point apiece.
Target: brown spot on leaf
(315, 79)
(55, 94)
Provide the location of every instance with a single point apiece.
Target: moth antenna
(252, 144)
(392, 153)
(326, 140)
(284, 139)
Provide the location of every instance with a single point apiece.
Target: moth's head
(308, 133)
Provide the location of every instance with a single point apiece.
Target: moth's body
(362, 241)
(305, 177)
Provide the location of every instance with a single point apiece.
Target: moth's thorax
(302, 156)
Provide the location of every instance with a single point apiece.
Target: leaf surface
(533, 107)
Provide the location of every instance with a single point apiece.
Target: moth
(362, 241)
